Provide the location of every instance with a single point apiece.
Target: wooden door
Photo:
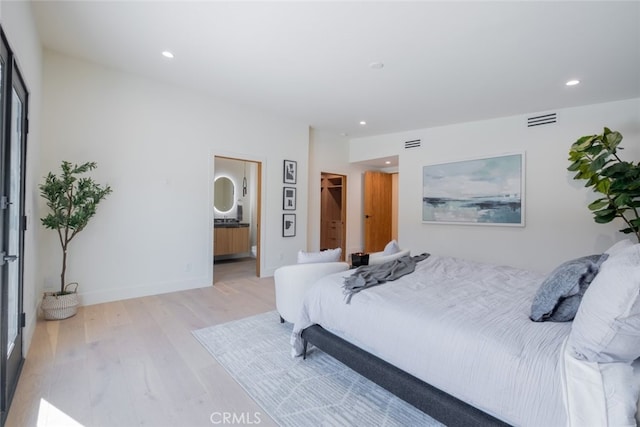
(377, 210)
(258, 215)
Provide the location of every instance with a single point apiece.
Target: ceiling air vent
(544, 119)
(416, 143)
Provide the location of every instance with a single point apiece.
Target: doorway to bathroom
(236, 218)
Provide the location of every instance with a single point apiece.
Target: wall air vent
(416, 143)
(544, 119)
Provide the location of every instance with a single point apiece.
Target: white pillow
(600, 393)
(636, 374)
(621, 390)
(391, 248)
(607, 325)
(619, 247)
(329, 255)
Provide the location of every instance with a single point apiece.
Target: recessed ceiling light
(572, 82)
(167, 54)
(376, 65)
(363, 123)
(388, 162)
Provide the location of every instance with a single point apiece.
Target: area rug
(318, 391)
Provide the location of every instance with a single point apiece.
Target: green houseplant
(72, 201)
(595, 159)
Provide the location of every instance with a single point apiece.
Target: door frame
(343, 211)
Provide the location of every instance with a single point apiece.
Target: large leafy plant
(72, 201)
(595, 159)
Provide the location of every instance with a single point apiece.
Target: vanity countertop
(229, 224)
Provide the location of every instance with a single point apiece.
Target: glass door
(13, 125)
(14, 231)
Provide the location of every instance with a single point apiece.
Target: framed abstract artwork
(483, 191)
(289, 198)
(290, 172)
(288, 225)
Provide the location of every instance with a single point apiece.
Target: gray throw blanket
(367, 276)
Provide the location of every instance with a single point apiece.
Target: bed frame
(435, 403)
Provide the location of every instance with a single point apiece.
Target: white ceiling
(444, 62)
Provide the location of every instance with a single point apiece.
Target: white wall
(330, 153)
(19, 27)
(558, 224)
(155, 145)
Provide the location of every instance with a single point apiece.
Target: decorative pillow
(607, 325)
(329, 255)
(391, 248)
(559, 295)
(619, 247)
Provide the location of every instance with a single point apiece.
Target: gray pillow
(559, 295)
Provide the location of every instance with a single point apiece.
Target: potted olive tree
(72, 202)
(595, 159)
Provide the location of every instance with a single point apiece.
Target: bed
(454, 338)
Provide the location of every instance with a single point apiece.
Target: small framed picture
(288, 225)
(289, 198)
(290, 171)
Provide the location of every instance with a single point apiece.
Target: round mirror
(223, 194)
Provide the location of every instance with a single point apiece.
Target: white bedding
(460, 326)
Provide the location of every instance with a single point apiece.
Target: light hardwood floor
(135, 362)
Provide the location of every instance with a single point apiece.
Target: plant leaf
(603, 186)
(575, 165)
(598, 204)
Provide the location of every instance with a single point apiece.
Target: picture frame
(290, 172)
(480, 191)
(289, 198)
(288, 225)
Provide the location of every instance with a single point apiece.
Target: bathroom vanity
(230, 237)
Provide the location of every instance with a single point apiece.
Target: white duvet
(460, 326)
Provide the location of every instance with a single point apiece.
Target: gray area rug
(318, 391)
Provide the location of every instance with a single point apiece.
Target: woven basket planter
(58, 307)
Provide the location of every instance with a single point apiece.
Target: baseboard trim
(98, 297)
